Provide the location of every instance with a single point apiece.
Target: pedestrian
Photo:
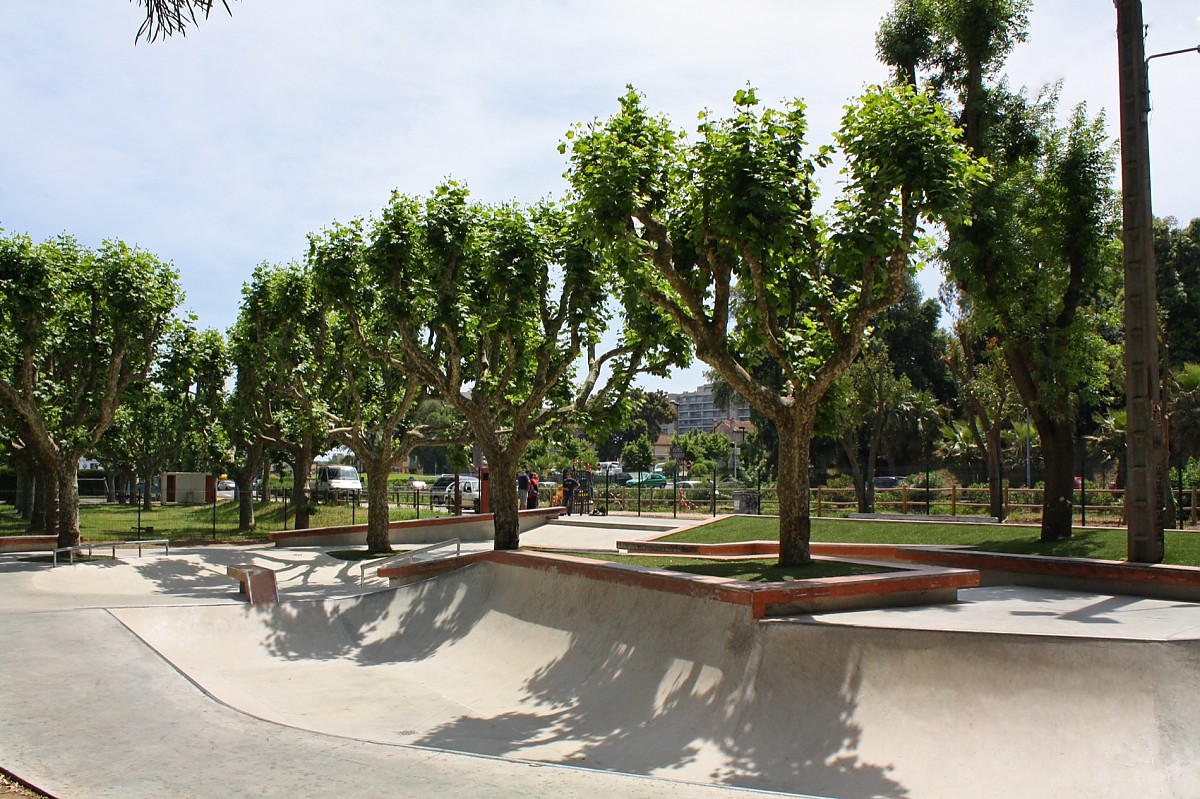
(569, 486)
(522, 488)
(533, 490)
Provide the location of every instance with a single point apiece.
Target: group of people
(527, 489)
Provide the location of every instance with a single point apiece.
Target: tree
(873, 400)
(1177, 263)
(692, 225)
(989, 401)
(173, 417)
(500, 310)
(916, 343)
(77, 328)
(638, 455)
(642, 414)
(1037, 263)
(280, 348)
(372, 411)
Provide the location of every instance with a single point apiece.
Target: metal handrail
(409, 555)
(163, 542)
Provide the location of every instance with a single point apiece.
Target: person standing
(569, 486)
(522, 489)
(533, 490)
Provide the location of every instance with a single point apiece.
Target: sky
(224, 149)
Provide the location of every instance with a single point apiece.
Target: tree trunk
(502, 494)
(860, 495)
(795, 522)
(378, 518)
(244, 470)
(68, 500)
(46, 501)
(24, 499)
(1058, 452)
(994, 451)
(300, 498)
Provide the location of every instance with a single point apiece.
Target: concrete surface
(149, 678)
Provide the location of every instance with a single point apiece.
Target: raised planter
(908, 585)
(28, 543)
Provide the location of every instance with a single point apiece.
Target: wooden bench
(257, 583)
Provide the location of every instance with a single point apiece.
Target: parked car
(337, 482)
(226, 485)
(889, 481)
(619, 478)
(648, 480)
(442, 491)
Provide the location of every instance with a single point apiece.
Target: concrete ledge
(28, 543)
(1156, 581)
(257, 583)
(907, 586)
(476, 527)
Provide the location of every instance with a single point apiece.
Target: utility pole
(1144, 493)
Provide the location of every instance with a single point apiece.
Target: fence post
(954, 500)
(904, 499)
(819, 501)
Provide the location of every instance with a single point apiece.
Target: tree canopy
(77, 328)
(502, 310)
(722, 235)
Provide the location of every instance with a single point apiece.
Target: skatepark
(152, 676)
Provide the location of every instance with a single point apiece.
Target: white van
(442, 492)
(337, 482)
(608, 467)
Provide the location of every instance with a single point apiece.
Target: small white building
(188, 488)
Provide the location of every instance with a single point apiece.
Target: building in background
(697, 413)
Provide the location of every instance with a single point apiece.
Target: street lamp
(1145, 495)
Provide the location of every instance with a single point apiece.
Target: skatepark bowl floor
(527, 674)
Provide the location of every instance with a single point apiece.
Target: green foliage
(638, 455)
(1177, 265)
(721, 236)
(78, 327)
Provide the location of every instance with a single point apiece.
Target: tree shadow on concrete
(670, 686)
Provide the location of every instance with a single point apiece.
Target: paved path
(150, 678)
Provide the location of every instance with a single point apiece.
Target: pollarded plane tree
(499, 309)
(376, 412)
(279, 348)
(722, 233)
(77, 328)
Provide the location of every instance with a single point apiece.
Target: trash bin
(745, 502)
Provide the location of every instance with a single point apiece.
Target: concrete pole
(1144, 494)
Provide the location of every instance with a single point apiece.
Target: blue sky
(222, 150)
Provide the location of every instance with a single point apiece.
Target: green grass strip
(1182, 547)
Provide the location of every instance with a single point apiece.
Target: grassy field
(195, 523)
(1182, 548)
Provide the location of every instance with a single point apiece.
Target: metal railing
(410, 555)
(165, 543)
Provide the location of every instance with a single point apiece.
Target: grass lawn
(757, 570)
(185, 524)
(1182, 548)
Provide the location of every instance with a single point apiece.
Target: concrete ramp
(538, 665)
